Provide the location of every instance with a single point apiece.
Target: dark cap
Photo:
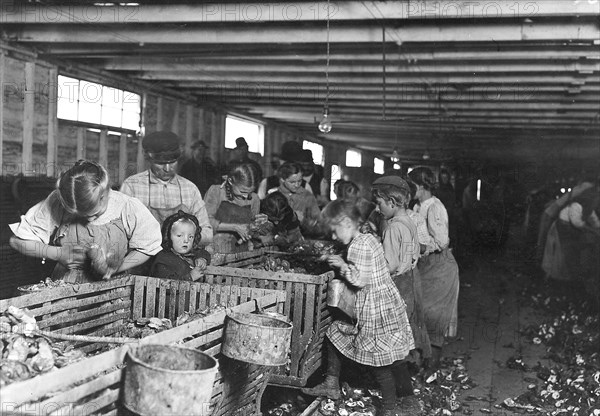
(396, 181)
(162, 147)
(240, 142)
(290, 151)
(199, 143)
(304, 156)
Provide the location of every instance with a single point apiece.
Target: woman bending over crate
(91, 231)
(182, 258)
(380, 335)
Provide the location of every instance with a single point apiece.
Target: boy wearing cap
(161, 189)
(240, 156)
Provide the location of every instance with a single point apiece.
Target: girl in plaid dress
(380, 336)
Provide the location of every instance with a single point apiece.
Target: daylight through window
(93, 103)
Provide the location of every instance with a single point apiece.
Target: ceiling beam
(22, 13)
(391, 67)
(484, 52)
(429, 78)
(431, 31)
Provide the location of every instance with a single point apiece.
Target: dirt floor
(510, 319)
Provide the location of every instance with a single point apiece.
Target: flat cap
(290, 151)
(241, 142)
(162, 146)
(396, 181)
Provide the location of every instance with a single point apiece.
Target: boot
(409, 406)
(330, 388)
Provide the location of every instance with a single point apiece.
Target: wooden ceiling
(454, 79)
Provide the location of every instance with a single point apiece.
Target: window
(353, 159)
(336, 174)
(317, 152)
(251, 131)
(88, 102)
(378, 166)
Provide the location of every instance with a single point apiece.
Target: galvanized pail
(256, 339)
(168, 380)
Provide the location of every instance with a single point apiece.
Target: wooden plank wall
(34, 142)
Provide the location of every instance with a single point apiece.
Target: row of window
(93, 103)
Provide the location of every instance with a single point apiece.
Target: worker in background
(161, 189)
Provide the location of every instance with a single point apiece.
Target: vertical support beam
(28, 118)
(159, 113)
(189, 129)
(80, 143)
(269, 150)
(103, 148)
(140, 153)
(52, 122)
(175, 120)
(218, 135)
(122, 157)
(2, 63)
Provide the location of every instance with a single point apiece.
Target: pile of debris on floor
(570, 385)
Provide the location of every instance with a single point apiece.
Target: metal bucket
(257, 339)
(168, 380)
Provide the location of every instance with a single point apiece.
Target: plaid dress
(381, 334)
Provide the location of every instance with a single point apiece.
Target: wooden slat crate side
(41, 297)
(215, 271)
(76, 394)
(84, 316)
(59, 380)
(232, 259)
(305, 305)
(99, 390)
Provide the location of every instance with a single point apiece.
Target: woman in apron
(438, 268)
(91, 231)
(233, 207)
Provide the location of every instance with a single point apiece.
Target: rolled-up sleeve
(40, 221)
(142, 229)
(212, 201)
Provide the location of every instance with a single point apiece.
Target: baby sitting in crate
(181, 258)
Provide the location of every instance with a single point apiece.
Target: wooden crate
(92, 385)
(241, 259)
(305, 306)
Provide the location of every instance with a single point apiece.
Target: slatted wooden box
(305, 306)
(92, 386)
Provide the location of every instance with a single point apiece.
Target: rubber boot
(330, 388)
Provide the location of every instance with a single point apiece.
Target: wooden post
(140, 153)
(80, 143)
(28, 119)
(103, 148)
(52, 122)
(159, 114)
(122, 157)
(175, 120)
(268, 150)
(189, 129)
(218, 135)
(2, 62)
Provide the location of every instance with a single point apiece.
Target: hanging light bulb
(395, 156)
(325, 125)
(426, 155)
